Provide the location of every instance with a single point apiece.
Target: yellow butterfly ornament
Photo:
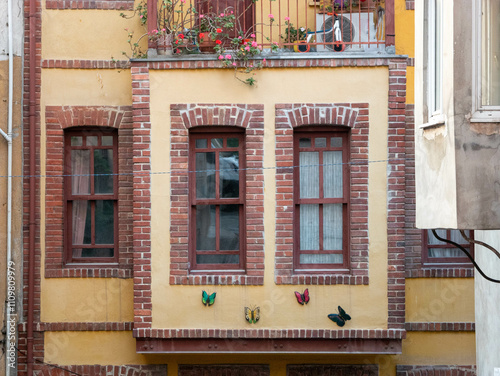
(252, 315)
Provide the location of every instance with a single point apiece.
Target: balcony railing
(336, 26)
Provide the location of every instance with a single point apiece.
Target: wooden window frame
(329, 132)
(69, 197)
(225, 133)
(448, 262)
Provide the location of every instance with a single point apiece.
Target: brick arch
(77, 116)
(223, 115)
(321, 114)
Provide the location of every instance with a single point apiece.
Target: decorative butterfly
(302, 298)
(339, 318)
(252, 315)
(208, 299)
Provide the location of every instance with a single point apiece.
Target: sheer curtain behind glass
(490, 80)
(448, 250)
(80, 185)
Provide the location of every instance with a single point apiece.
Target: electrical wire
(467, 254)
(473, 241)
(183, 171)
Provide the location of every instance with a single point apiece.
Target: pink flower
(270, 15)
(254, 44)
(252, 36)
(222, 14)
(247, 48)
(201, 16)
(234, 63)
(228, 56)
(287, 18)
(264, 60)
(221, 57)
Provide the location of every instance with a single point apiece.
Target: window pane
(445, 252)
(309, 227)
(332, 174)
(432, 240)
(332, 227)
(201, 143)
(438, 55)
(232, 142)
(76, 141)
(205, 175)
(81, 222)
(217, 143)
(91, 140)
(309, 174)
(93, 252)
(336, 142)
(321, 259)
(229, 227)
(229, 174)
(320, 142)
(490, 85)
(103, 170)
(305, 143)
(107, 141)
(80, 170)
(205, 227)
(217, 259)
(104, 222)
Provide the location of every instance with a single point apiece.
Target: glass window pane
(217, 259)
(332, 174)
(229, 227)
(107, 140)
(201, 143)
(490, 80)
(205, 175)
(80, 170)
(205, 227)
(81, 222)
(217, 143)
(438, 55)
(103, 170)
(309, 227)
(104, 222)
(320, 142)
(229, 174)
(336, 142)
(76, 141)
(232, 142)
(306, 258)
(309, 174)
(445, 252)
(91, 140)
(332, 227)
(93, 252)
(305, 143)
(432, 240)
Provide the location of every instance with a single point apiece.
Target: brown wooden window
(437, 252)
(91, 196)
(217, 195)
(321, 195)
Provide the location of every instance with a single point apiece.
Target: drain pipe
(8, 137)
(32, 183)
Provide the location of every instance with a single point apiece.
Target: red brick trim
(288, 117)
(415, 268)
(90, 4)
(58, 118)
(331, 369)
(183, 117)
(79, 326)
(84, 64)
(440, 326)
(141, 196)
(396, 190)
(92, 370)
(435, 370)
(410, 4)
(224, 370)
(271, 333)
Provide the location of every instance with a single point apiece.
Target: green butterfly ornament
(206, 299)
(339, 318)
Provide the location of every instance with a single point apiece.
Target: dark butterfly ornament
(339, 318)
(302, 298)
(206, 299)
(252, 315)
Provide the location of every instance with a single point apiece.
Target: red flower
(202, 35)
(218, 41)
(219, 30)
(181, 36)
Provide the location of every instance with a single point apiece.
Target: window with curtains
(217, 198)
(435, 251)
(91, 195)
(321, 195)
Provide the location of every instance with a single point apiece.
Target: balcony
(338, 27)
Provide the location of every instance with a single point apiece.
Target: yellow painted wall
(279, 308)
(405, 42)
(440, 300)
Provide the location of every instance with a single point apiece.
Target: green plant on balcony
(294, 34)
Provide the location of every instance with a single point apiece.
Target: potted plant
(296, 36)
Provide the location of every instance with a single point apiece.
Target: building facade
(187, 223)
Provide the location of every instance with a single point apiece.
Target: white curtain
(80, 185)
(455, 236)
(309, 174)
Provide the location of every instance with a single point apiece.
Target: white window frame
(480, 113)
